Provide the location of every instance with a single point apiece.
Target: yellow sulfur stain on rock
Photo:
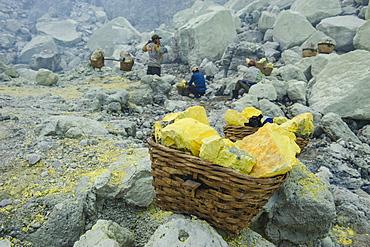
(235, 118)
(273, 147)
(186, 134)
(280, 120)
(343, 234)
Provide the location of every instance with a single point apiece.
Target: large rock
(63, 227)
(45, 77)
(301, 211)
(46, 60)
(106, 233)
(342, 29)
(194, 45)
(35, 46)
(70, 126)
(64, 32)
(345, 93)
(185, 232)
(290, 29)
(316, 10)
(362, 37)
(114, 32)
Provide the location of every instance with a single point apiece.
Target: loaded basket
(97, 63)
(326, 48)
(308, 52)
(236, 133)
(182, 90)
(220, 195)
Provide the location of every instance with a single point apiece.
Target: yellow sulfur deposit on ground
(273, 147)
(186, 134)
(301, 125)
(223, 152)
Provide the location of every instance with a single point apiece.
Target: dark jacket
(199, 81)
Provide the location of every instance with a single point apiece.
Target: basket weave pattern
(236, 133)
(221, 196)
(125, 66)
(325, 48)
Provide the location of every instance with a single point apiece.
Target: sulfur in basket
(308, 52)
(182, 90)
(223, 197)
(236, 133)
(126, 66)
(325, 48)
(97, 63)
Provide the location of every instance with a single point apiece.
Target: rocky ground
(37, 172)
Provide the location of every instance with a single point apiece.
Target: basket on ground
(325, 48)
(97, 63)
(220, 195)
(236, 133)
(182, 91)
(307, 52)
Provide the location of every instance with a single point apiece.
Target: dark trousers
(153, 70)
(195, 91)
(239, 84)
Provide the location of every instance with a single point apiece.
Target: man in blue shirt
(197, 83)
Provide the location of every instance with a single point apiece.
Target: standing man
(153, 47)
(197, 83)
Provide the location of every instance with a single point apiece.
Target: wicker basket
(236, 133)
(309, 52)
(183, 90)
(326, 48)
(221, 196)
(126, 66)
(267, 71)
(98, 63)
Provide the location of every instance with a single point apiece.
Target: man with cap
(197, 83)
(155, 51)
(251, 77)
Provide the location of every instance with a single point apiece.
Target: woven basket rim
(218, 167)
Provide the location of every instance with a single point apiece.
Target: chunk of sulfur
(195, 112)
(274, 149)
(235, 118)
(249, 112)
(301, 125)
(186, 134)
(223, 152)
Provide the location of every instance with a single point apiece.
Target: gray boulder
(194, 45)
(316, 10)
(45, 77)
(185, 232)
(64, 32)
(336, 129)
(7, 71)
(362, 37)
(70, 126)
(64, 225)
(111, 100)
(342, 29)
(297, 91)
(114, 32)
(345, 93)
(47, 59)
(270, 109)
(35, 46)
(106, 233)
(291, 28)
(291, 72)
(300, 212)
(264, 91)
